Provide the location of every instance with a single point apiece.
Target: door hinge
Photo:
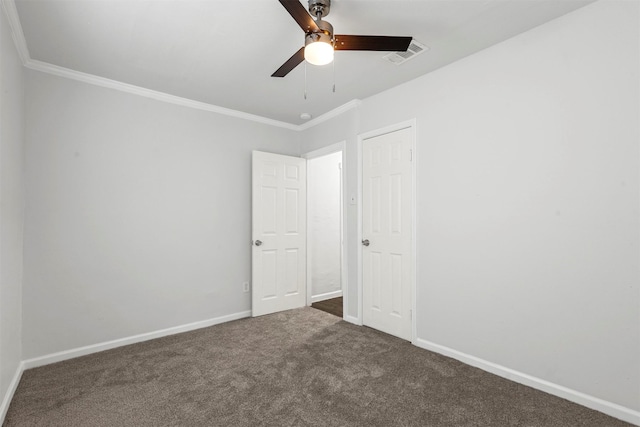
(411, 155)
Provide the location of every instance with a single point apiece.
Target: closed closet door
(387, 232)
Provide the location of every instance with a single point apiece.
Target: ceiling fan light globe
(318, 53)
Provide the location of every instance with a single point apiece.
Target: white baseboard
(6, 400)
(83, 351)
(609, 408)
(326, 296)
(352, 319)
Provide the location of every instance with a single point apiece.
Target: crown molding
(148, 93)
(354, 103)
(185, 102)
(10, 11)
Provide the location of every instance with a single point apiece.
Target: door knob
(365, 242)
(258, 242)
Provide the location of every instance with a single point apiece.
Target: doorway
(325, 229)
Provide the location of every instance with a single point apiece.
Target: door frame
(411, 124)
(330, 149)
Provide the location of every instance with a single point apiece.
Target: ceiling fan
(320, 42)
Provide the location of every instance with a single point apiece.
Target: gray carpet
(298, 368)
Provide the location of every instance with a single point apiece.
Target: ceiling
(223, 52)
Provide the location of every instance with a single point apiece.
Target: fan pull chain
(305, 79)
(334, 74)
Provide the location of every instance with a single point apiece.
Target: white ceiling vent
(415, 48)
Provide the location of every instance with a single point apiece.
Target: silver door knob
(365, 242)
(258, 242)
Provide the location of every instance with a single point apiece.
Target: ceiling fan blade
(300, 14)
(291, 63)
(393, 43)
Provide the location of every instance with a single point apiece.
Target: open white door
(279, 233)
(387, 230)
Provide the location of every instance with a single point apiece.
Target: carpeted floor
(298, 368)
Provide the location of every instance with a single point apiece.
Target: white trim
(177, 100)
(148, 93)
(344, 269)
(359, 230)
(407, 124)
(354, 103)
(414, 237)
(8, 396)
(387, 129)
(626, 414)
(9, 7)
(352, 319)
(326, 296)
(329, 149)
(94, 348)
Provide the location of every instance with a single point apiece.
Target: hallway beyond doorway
(332, 306)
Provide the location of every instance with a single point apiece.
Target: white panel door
(279, 233)
(387, 232)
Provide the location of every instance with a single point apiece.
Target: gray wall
(528, 200)
(11, 207)
(138, 213)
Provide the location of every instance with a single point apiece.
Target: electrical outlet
(245, 286)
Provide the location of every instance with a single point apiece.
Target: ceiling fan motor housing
(324, 35)
(319, 7)
(318, 37)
